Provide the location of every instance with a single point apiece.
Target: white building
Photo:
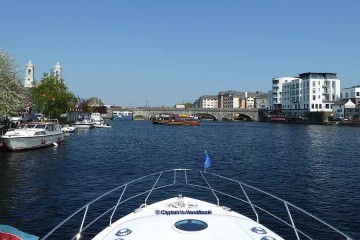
(314, 92)
(352, 93)
(29, 75)
(276, 94)
(206, 101)
(341, 106)
(181, 106)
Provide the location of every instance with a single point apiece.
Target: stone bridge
(217, 114)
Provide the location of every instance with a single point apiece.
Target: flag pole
(204, 163)
(207, 162)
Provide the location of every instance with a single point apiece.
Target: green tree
(12, 92)
(188, 105)
(100, 109)
(84, 105)
(51, 96)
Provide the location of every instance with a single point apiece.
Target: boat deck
(203, 221)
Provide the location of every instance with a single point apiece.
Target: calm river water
(314, 167)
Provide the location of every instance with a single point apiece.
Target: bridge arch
(217, 113)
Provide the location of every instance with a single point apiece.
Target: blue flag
(207, 162)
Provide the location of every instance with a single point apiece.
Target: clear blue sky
(127, 52)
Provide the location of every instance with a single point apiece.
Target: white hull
(25, 142)
(220, 222)
(102, 126)
(84, 125)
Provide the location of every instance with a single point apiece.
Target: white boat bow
(68, 129)
(182, 217)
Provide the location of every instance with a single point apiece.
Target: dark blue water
(314, 167)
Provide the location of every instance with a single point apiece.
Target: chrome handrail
(155, 186)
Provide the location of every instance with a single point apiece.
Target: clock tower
(29, 75)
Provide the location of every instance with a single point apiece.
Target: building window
(312, 106)
(314, 97)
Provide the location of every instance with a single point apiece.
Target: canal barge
(175, 119)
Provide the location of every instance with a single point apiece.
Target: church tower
(29, 75)
(57, 70)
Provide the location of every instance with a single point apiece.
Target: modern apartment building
(312, 91)
(276, 94)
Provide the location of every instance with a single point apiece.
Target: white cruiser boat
(33, 135)
(142, 209)
(97, 119)
(84, 122)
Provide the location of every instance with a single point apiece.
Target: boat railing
(157, 183)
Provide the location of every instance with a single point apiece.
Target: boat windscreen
(41, 126)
